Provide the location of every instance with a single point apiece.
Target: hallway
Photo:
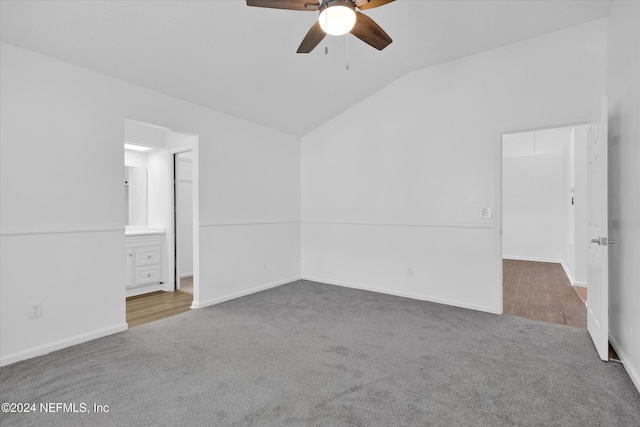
(541, 291)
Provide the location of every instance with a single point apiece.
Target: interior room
(544, 224)
(337, 212)
(159, 198)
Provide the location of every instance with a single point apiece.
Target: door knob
(595, 240)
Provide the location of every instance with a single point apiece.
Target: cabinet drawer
(149, 274)
(148, 255)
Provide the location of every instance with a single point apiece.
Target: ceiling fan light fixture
(337, 17)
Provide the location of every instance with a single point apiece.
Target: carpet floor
(313, 354)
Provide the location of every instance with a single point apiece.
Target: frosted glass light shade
(337, 20)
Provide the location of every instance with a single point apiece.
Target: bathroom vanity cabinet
(143, 257)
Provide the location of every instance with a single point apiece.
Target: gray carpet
(314, 354)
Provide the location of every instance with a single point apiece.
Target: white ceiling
(241, 60)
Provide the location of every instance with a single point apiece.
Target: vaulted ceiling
(242, 60)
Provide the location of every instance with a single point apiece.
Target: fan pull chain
(326, 25)
(347, 59)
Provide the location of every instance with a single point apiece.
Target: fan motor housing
(329, 3)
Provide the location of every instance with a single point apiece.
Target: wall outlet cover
(35, 310)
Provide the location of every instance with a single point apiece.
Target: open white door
(598, 269)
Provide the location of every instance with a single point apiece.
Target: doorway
(544, 224)
(156, 250)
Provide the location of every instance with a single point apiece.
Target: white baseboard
(534, 259)
(573, 281)
(183, 275)
(626, 362)
(214, 301)
(60, 344)
(145, 289)
(568, 273)
(419, 297)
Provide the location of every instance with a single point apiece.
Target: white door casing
(598, 268)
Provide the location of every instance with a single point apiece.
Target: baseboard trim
(183, 275)
(533, 259)
(404, 294)
(573, 281)
(145, 289)
(201, 304)
(568, 273)
(626, 362)
(483, 224)
(60, 344)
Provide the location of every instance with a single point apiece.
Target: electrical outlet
(410, 271)
(35, 310)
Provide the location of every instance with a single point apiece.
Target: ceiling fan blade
(370, 4)
(311, 40)
(370, 32)
(286, 4)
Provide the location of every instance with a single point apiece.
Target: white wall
(534, 224)
(135, 158)
(576, 244)
(568, 191)
(160, 209)
(581, 223)
(61, 200)
(136, 196)
(623, 88)
(398, 180)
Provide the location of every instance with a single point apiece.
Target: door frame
(499, 133)
(172, 233)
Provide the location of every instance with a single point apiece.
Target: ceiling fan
(337, 17)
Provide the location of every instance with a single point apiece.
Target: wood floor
(582, 293)
(541, 291)
(154, 306)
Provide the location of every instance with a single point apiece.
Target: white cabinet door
(143, 262)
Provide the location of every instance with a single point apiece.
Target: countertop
(143, 231)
